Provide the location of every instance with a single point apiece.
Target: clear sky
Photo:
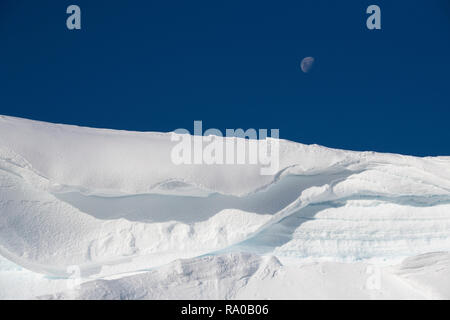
(160, 65)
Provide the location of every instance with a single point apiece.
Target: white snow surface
(113, 205)
(245, 276)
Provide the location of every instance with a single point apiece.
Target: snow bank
(246, 276)
(112, 201)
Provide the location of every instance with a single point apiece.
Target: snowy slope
(246, 276)
(112, 202)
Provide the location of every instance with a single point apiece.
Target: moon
(307, 64)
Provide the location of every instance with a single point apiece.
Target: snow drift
(246, 276)
(112, 202)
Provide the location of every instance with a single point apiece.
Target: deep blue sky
(160, 65)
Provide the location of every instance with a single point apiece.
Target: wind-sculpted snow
(246, 276)
(112, 202)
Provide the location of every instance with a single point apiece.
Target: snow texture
(112, 205)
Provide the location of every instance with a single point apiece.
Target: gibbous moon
(307, 64)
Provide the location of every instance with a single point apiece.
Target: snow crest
(112, 202)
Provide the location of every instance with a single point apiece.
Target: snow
(114, 205)
(245, 276)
